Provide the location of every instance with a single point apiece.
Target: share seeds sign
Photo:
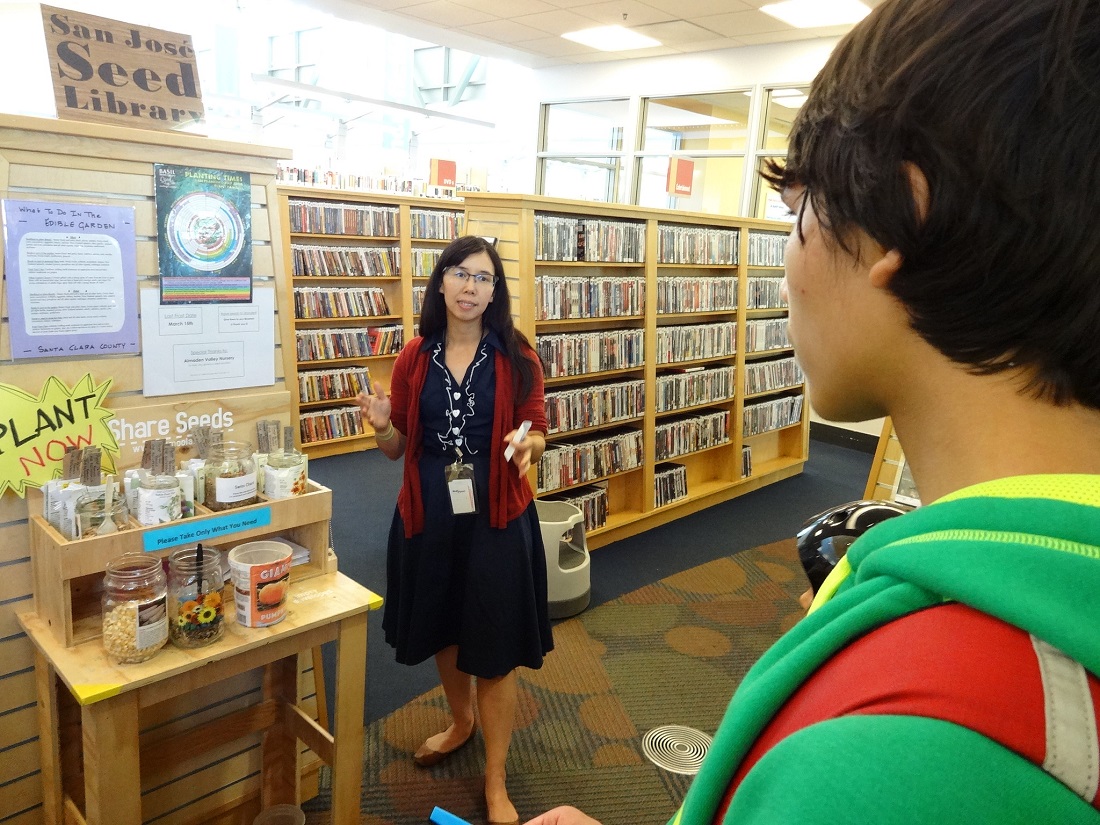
(105, 71)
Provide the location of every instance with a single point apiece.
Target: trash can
(568, 565)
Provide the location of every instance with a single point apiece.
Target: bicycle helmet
(826, 537)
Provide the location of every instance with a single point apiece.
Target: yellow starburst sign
(35, 432)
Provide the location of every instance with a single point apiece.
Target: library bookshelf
(670, 382)
(355, 260)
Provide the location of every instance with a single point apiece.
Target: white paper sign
(199, 347)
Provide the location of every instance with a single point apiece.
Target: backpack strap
(957, 664)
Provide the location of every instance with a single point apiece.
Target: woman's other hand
(525, 449)
(563, 816)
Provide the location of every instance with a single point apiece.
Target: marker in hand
(521, 433)
(442, 817)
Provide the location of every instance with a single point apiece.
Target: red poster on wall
(680, 174)
(443, 173)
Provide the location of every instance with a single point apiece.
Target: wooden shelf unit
(413, 242)
(82, 694)
(68, 575)
(714, 472)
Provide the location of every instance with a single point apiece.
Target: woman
(466, 585)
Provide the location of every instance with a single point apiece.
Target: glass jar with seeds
(230, 476)
(135, 610)
(196, 615)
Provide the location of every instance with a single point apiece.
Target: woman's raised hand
(376, 407)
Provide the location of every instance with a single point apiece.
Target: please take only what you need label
(187, 532)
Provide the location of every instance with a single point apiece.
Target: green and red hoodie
(973, 701)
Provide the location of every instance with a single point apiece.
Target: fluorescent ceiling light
(611, 39)
(808, 14)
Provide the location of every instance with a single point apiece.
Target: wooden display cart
(101, 742)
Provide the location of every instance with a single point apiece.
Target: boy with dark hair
(943, 271)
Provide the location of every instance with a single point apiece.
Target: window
(295, 56)
(582, 150)
(780, 110)
(707, 131)
(446, 75)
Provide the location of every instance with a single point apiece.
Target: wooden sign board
(105, 71)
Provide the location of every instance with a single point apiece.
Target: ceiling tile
(741, 23)
(444, 13)
(504, 31)
(778, 37)
(688, 9)
(709, 45)
(557, 22)
(555, 47)
(627, 13)
(674, 32)
(506, 9)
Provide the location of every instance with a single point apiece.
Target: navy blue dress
(461, 581)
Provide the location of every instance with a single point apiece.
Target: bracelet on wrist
(386, 434)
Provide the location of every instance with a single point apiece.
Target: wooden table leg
(49, 738)
(351, 675)
(112, 776)
(280, 777)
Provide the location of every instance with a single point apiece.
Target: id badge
(460, 485)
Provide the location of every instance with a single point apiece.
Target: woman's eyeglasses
(479, 278)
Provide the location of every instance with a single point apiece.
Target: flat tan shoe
(426, 757)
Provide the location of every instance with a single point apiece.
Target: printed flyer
(204, 239)
(71, 278)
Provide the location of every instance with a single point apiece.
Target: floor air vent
(676, 748)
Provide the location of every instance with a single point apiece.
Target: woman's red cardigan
(509, 492)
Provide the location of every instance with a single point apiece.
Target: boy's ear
(885, 268)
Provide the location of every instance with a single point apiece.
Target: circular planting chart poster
(205, 231)
(205, 234)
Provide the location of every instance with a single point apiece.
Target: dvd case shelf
(353, 257)
(641, 317)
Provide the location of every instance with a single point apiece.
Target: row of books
(594, 406)
(383, 184)
(670, 484)
(424, 261)
(325, 425)
(371, 220)
(331, 344)
(578, 354)
(568, 238)
(696, 294)
(689, 435)
(766, 334)
(766, 248)
(764, 294)
(746, 460)
(772, 415)
(696, 341)
(591, 500)
(418, 299)
(700, 386)
(436, 224)
(350, 302)
(767, 376)
(560, 298)
(345, 261)
(332, 385)
(697, 245)
(565, 464)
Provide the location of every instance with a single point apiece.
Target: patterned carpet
(669, 653)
